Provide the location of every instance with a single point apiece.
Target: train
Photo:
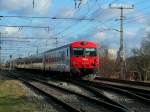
(77, 59)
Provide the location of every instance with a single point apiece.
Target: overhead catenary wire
(73, 25)
(105, 21)
(18, 37)
(14, 41)
(134, 18)
(139, 9)
(42, 17)
(137, 17)
(90, 19)
(25, 26)
(80, 21)
(76, 11)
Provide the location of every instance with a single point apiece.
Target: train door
(68, 59)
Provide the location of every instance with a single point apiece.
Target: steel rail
(99, 94)
(137, 91)
(91, 99)
(141, 92)
(96, 92)
(140, 83)
(114, 88)
(68, 107)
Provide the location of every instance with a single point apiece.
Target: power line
(104, 21)
(133, 19)
(55, 18)
(137, 18)
(9, 49)
(72, 25)
(15, 37)
(14, 40)
(25, 26)
(139, 9)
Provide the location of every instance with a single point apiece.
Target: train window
(84, 51)
(78, 51)
(90, 52)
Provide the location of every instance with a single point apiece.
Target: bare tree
(142, 58)
(145, 46)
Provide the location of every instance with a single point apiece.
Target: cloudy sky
(20, 40)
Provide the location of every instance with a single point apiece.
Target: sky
(24, 41)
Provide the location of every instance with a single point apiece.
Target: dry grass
(13, 98)
(11, 88)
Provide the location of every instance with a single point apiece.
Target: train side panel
(58, 60)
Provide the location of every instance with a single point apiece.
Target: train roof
(74, 44)
(84, 44)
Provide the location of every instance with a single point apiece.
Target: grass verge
(13, 98)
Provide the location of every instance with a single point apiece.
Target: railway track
(73, 101)
(135, 83)
(119, 97)
(129, 96)
(67, 108)
(98, 94)
(139, 88)
(130, 100)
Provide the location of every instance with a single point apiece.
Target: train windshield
(90, 51)
(78, 51)
(84, 51)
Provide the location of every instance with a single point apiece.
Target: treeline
(140, 61)
(138, 66)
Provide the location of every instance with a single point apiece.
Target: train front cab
(84, 59)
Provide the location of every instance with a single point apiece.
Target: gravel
(72, 99)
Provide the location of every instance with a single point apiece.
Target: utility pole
(121, 52)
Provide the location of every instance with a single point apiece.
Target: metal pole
(121, 49)
(122, 52)
(121, 31)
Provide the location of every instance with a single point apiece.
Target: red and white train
(76, 59)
